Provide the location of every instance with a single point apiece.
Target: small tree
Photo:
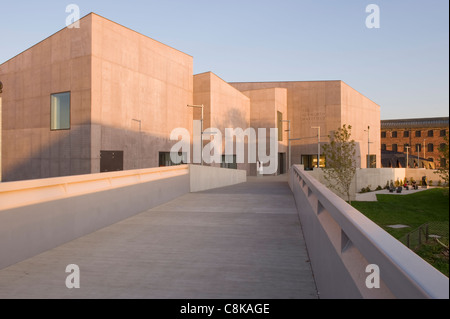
(341, 164)
(442, 171)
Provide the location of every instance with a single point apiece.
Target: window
(405, 147)
(442, 147)
(395, 147)
(418, 147)
(430, 147)
(418, 133)
(443, 133)
(430, 133)
(405, 133)
(280, 125)
(166, 160)
(443, 162)
(383, 147)
(60, 111)
(394, 134)
(383, 134)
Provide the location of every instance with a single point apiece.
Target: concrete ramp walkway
(242, 241)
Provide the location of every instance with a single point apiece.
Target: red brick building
(420, 138)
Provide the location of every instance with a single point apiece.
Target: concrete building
(419, 138)
(328, 105)
(98, 98)
(104, 98)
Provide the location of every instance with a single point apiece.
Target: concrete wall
(57, 64)
(328, 104)
(136, 78)
(342, 242)
(205, 177)
(39, 215)
(375, 177)
(264, 105)
(224, 107)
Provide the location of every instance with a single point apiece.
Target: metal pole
(201, 131)
(289, 141)
(407, 156)
(318, 145)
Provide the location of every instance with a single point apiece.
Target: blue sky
(403, 66)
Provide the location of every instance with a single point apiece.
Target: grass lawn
(412, 210)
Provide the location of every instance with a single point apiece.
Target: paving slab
(238, 242)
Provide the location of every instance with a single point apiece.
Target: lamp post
(318, 145)
(369, 165)
(201, 131)
(140, 142)
(407, 155)
(424, 145)
(289, 140)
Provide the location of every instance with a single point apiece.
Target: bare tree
(340, 160)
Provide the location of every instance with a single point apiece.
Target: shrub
(440, 183)
(430, 182)
(387, 185)
(379, 188)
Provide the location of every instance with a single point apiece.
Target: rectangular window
(60, 111)
(418, 147)
(418, 133)
(383, 147)
(443, 133)
(394, 147)
(405, 147)
(430, 147)
(383, 134)
(430, 133)
(280, 125)
(166, 160)
(405, 133)
(394, 134)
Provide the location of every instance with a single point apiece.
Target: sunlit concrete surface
(242, 241)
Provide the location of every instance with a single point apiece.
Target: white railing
(342, 243)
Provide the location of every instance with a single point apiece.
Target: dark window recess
(111, 161)
(405, 147)
(430, 147)
(418, 147)
(394, 147)
(418, 133)
(166, 160)
(383, 147)
(406, 134)
(430, 133)
(443, 133)
(394, 134)
(229, 158)
(383, 134)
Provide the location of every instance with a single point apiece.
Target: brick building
(420, 139)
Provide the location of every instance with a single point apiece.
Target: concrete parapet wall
(342, 242)
(41, 214)
(38, 215)
(206, 177)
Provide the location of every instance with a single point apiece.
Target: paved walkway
(243, 241)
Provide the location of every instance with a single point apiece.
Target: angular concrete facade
(124, 91)
(328, 105)
(128, 92)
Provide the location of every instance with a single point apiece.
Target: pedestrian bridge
(173, 233)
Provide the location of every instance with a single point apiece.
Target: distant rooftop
(415, 123)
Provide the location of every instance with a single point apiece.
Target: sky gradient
(403, 66)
